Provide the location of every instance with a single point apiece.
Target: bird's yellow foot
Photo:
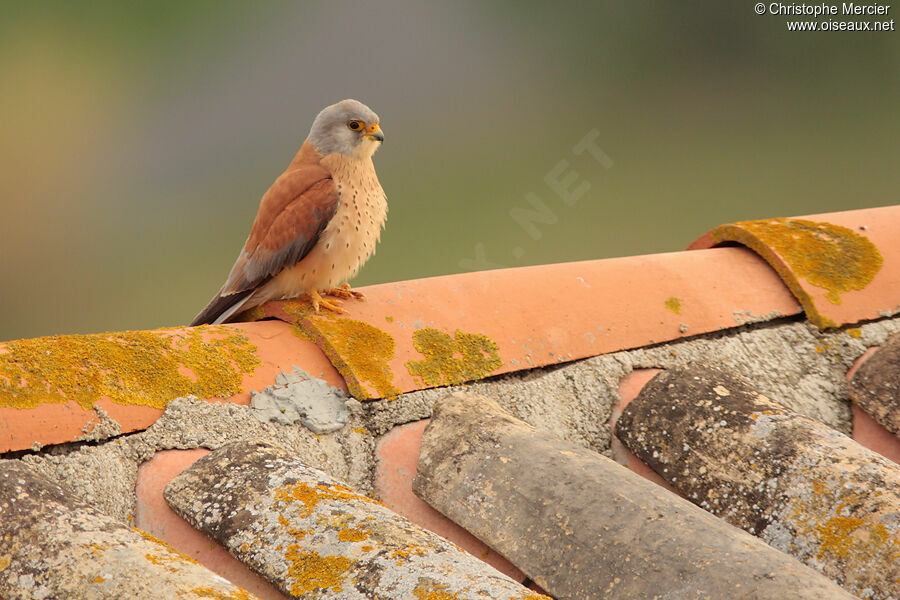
(344, 291)
(318, 301)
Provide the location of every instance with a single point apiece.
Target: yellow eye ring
(355, 125)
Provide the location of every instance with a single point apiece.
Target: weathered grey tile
(314, 537)
(53, 547)
(875, 386)
(585, 527)
(798, 484)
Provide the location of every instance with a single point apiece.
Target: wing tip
(221, 308)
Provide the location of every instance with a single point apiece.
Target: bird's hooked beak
(373, 132)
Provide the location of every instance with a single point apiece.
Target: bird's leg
(344, 291)
(319, 301)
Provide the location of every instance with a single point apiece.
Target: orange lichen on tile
(433, 591)
(208, 592)
(859, 545)
(310, 496)
(534, 316)
(353, 534)
(310, 571)
(842, 267)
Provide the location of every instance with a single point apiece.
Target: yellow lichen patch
(298, 309)
(854, 332)
(402, 554)
(828, 256)
(530, 596)
(673, 304)
(256, 313)
(433, 591)
(298, 534)
(453, 360)
(173, 556)
(5, 561)
(353, 534)
(233, 594)
(146, 368)
(310, 571)
(97, 579)
(360, 430)
(311, 496)
(359, 351)
(843, 528)
(843, 535)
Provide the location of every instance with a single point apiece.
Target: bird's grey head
(348, 127)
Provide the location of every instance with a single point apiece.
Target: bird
(316, 225)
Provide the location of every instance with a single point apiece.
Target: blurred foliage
(138, 137)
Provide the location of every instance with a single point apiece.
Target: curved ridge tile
(439, 331)
(843, 267)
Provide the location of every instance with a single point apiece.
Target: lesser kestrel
(318, 223)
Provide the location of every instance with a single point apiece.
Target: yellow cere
(147, 368)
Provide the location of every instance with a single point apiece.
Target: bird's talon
(343, 291)
(318, 302)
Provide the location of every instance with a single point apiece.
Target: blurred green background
(137, 138)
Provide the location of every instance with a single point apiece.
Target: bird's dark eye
(354, 125)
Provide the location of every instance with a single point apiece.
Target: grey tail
(222, 308)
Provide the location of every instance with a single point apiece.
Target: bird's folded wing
(292, 214)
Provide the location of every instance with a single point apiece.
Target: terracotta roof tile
(843, 267)
(90, 387)
(626, 317)
(446, 330)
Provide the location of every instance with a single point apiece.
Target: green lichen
(828, 256)
(453, 360)
(673, 304)
(146, 368)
